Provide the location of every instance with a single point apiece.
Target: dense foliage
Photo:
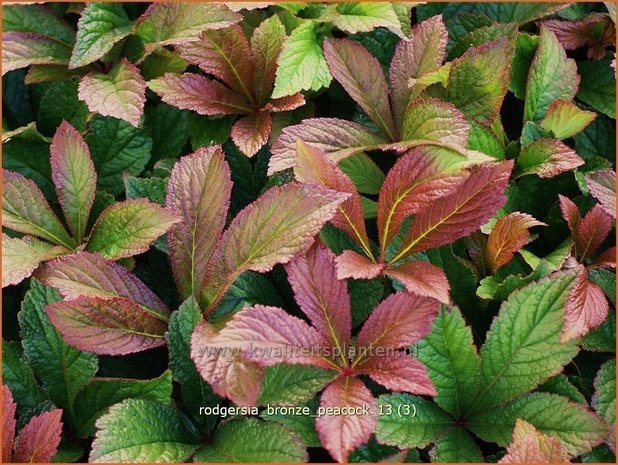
(308, 232)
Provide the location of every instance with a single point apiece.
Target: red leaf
(8, 423)
(361, 76)
(251, 132)
(461, 213)
(602, 185)
(576, 34)
(322, 297)
(509, 235)
(342, 433)
(607, 259)
(547, 158)
(352, 265)
(39, 439)
(312, 166)
(570, 213)
(423, 279)
(591, 231)
(287, 103)
(199, 192)
(585, 309)
(531, 446)
(399, 321)
(198, 93)
(414, 183)
(398, 372)
(115, 326)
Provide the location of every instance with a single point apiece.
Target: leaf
(337, 138)
(116, 147)
(195, 92)
(342, 433)
(361, 76)
(604, 397)
(270, 442)
(352, 265)
(178, 23)
(59, 103)
(529, 322)
(364, 173)
(547, 158)
(293, 384)
(266, 44)
(168, 130)
(356, 17)
(561, 385)
(403, 431)
(573, 424)
(18, 376)
(529, 445)
(434, 120)
(199, 193)
(585, 309)
(8, 423)
(490, 33)
(301, 64)
(22, 49)
(424, 52)
(598, 86)
(20, 257)
(99, 28)
(124, 430)
(602, 185)
(423, 279)
(121, 93)
(116, 326)
(74, 178)
(94, 400)
(552, 76)
(452, 361)
(509, 235)
(251, 133)
(62, 370)
(565, 119)
(36, 18)
(39, 439)
(461, 213)
(128, 228)
(591, 231)
(478, 81)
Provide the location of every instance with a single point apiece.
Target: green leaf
(137, 430)
(204, 130)
(456, 446)
(62, 369)
(365, 295)
(303, 425)
(603, 338)
(561, 385)
(598, 86)
(301, 65)
(546, 158)
(36, 18)
(523, 346)
(598, 139)
(18, 376)
(604, 398)
(153, 189)
(117, 147)
(22, 49)
(100, 26)
(405, 431)
(365, 174)
(452, 361)
(525, 47)
(292, 384)
(565, 119)
(167, 126)
(356, 17)
(485, 140)
(60, 102)
(270, 442)
(574, 424)
(482, 35)
(492, 287)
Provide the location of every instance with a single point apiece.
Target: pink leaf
(399, 321)
(115, 326)
(585, 309)
(195, 92)
(423, 279)
(251, 132)
(361, 76)
(8, 423)
(398, 372)
(352, 265)
(74, 177)
(22, 49)
(38, 441)
(21, 256)
(461, 213)
(591, 231)
(607, 259)
(321, 296)
(570, 213)
(337, 138)
(602, 185)
(90, 274)
(340, 434)
(576, 34)
(547, 158)
(287, 103)
(531, 446)
(199, 192)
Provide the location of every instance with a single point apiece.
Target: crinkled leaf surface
(38, 441)
(528, 445)
(356, 17)
(22, 49)
(8, 423)
(547, 158)
(20, 257)
(602, 185)
(293, 384)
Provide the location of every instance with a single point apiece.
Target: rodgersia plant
(293, 232)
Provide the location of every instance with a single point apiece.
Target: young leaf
(434, 120)
(565, 119)
(340, 434)
(423, 279)
(74, 178)
(361, 76)
(20, 257)
(199, 192)
(528, 445)
(25, 209)
(100, 26)
(8, 423)
(356, 17)
(547, 158)
(602, 185)
(301, 64)
(180, 23)
(121, 93)
(266, 44)
(128, 426)
(591, 231)
(22, 49)
(252, 132)
(39, 439)
(352, 265)
(552, 76)
(128, 228)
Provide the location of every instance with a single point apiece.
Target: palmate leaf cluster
(221, 221)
